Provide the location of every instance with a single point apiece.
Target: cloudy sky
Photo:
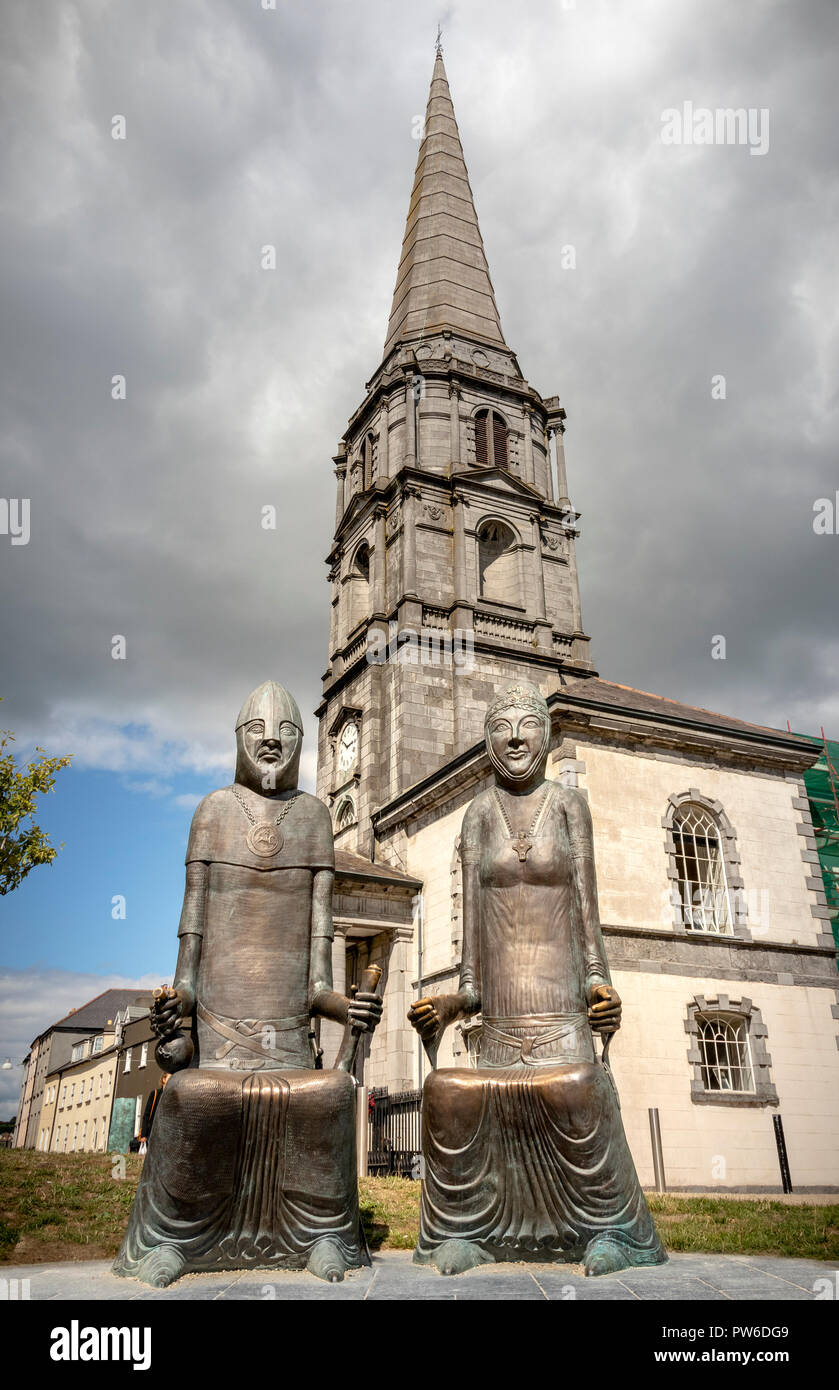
(292, 126)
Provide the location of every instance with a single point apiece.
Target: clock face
(347, 747)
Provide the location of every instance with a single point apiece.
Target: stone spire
(443, 278)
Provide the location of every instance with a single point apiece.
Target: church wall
(360, 693)
(434, 565)
(649, 1060)
(430, 851)
(540, 464)
(394, 577)
(559, 591)
(575, 584)
(324, 767)
(422, 713)
(628, 796)
(398, 434)
(434, 425)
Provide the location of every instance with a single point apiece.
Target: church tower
(453, 566)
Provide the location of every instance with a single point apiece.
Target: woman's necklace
(522, 839)
(263, 837)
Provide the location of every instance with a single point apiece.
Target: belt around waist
(530, 1021)
(533, 1030)
(253, 1035)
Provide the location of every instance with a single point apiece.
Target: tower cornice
(386, 385)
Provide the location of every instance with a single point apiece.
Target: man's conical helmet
(272, 703)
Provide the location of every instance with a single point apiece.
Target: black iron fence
(394, 1142)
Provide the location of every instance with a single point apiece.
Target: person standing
(150, 1110)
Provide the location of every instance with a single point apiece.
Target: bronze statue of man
(252, 1158)
(525, 1156)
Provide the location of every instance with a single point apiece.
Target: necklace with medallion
(264, 838)
(523, 839)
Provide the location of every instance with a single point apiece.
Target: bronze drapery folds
(525, 1156)
(251, 1162)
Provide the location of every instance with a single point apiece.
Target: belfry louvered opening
(490, 439)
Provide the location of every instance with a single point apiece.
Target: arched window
(700, 869)
(728, 1053)
(345, 815)
(498, 563)
(359, 587)
(490, 439)
(361, 564)
(725, 1060)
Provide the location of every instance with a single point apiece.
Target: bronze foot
(605, 1256)
(456, 1256)
(327, 1261)
(161, 1267)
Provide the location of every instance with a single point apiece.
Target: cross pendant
(522, 844)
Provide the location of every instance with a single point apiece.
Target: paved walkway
(693, 1278)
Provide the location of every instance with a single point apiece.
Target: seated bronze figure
(252, 1158)
(525, 1156)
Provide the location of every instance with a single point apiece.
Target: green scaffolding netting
(822, 783)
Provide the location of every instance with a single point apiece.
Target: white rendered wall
(628, 796)
(649, 1060)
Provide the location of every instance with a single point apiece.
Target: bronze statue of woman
(526, 1156)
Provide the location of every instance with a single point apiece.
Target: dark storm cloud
(293, 128)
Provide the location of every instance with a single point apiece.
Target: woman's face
(517, 740)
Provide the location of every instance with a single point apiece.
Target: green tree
(23, 844)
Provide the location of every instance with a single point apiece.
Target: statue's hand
(424, 1015)
(365, 1012)
(604, 1013)
(432, 1016)
(169, 1010)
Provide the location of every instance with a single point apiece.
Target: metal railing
(394, 1133)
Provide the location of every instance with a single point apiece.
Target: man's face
(271, 750)
(517, 740)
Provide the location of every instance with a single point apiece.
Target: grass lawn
(75, 1207)
(389, 1212)
(724, 1226)
(63, 1206)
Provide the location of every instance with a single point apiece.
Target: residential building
(76, 1108)
(138, 1074)
(53, 1049)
